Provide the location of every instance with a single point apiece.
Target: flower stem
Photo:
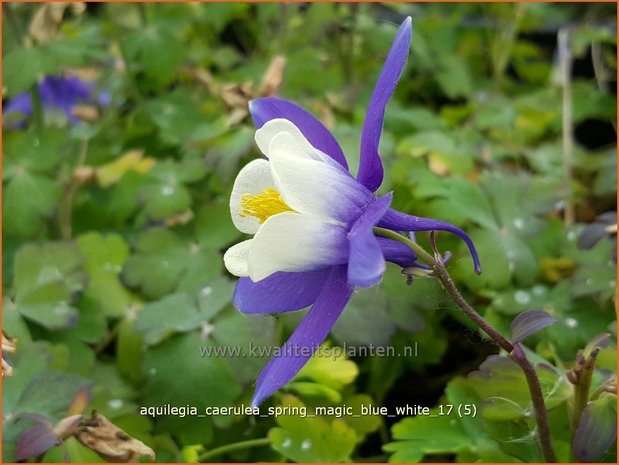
(14, 23)
(37, 108)
(583, 386)
(441, 273)
(515, 352)
(65, 217)
(234, 447)
(537, 398)
(565, 61)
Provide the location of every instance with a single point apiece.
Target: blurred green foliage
(114, 228)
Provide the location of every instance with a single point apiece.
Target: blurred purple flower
(61, 93)
(313, 222)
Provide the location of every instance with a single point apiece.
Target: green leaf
(400, 119)
(408, 303)
(441, 148)
(426, 347)
(215, 296)
(164, 263)
(501, 382)
(235, 330)
(515, 439)
(518, 200)
(484, 448)
(496, 265)
(206, 381)
(310, 390)
(182, 312)
(47, 305)
(70, 354)
(23, 67)
(34, 152)
(129, 349)
(39, 390)
(174, 313)
(167, 195)
(591, 103)
(214, 227)
(91, 325)
(577, 325)
(105, 257)
(513, 302)
(457, 200)
(329, 367)
(420, 436)
(112, 395)
(52, 263)
(180, 119)
(363, 424)
(28, 199)
(365, 321)
(73, 449)
(155, 49)
(31, 360)
(454, 76)
(225, 153)
(46, 280)
(308, 440)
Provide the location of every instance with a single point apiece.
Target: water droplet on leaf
(167, 190)
(115, 404)
(522, 297)
(206, 291)
(518, 223)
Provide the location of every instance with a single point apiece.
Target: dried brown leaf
(110, 442)
(7, 370)
(273, 77)
(68, 426)
(9, 343)
(45, 24)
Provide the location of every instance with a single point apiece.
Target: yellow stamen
(267, 203)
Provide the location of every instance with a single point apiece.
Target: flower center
(267, 203)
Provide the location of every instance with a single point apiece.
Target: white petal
(311, 186)
(252, 179)
(302, 149)
(271, 128)
(235, 258)
(296, 242)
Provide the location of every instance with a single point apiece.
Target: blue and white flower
(313, 222)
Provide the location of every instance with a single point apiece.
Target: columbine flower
(313, 222)
(64, 94)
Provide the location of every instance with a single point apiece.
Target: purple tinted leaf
(67, 426)
(601, 340)
(597, 430)
(36, 440)
(528, 323)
